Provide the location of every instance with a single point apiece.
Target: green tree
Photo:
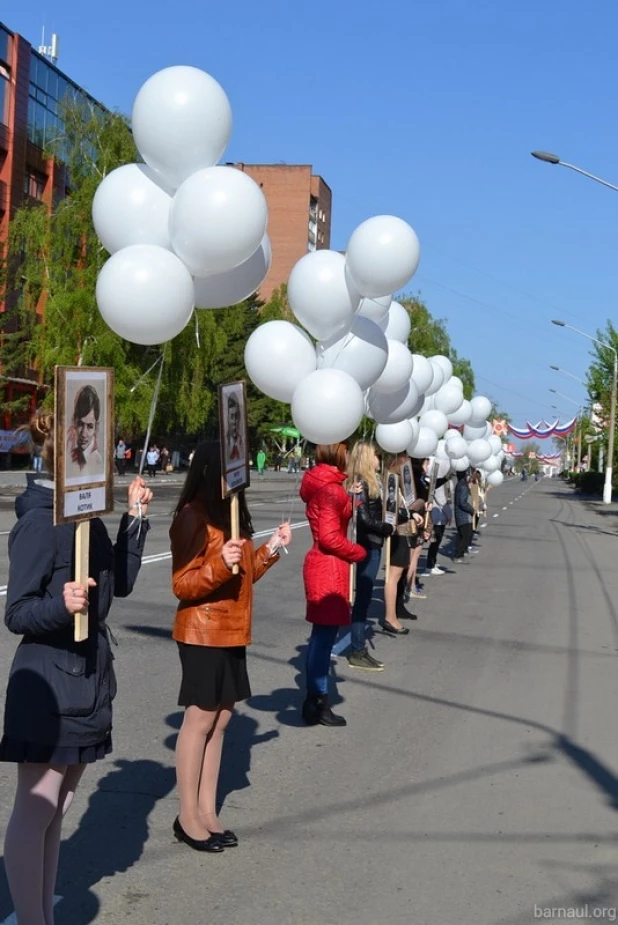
(600, 375)
(532, 465)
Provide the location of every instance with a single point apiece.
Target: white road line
(496, 515)
(504, 508)
(164, 556)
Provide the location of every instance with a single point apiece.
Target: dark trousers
(463, 540)
(432, 552)
(366, 573)
(152, 470)
(121, 466)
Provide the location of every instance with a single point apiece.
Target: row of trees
(48, 278)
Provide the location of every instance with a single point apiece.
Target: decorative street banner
(499, 427)
(542, 430)
(10, 440)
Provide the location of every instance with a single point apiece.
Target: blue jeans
(321, 642)
(366, 573)
(37, 463)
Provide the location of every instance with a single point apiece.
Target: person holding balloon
(326, 573)
(371, 532)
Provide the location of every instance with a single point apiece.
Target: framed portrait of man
(408, 488)
(390, 495)
(83, 464)
(233, 435)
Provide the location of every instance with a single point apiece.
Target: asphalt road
(476, 781)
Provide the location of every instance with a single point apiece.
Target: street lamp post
(607, 487)
(580, 414)
(554, 159)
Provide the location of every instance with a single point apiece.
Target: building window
(34, 184)
(48, 88)
(5, 73)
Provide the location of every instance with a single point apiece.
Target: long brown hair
(332, 454)
(203, 482)
(41, 429)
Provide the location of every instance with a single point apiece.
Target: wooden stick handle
(235, 524)
(387, 565)
(82, 547)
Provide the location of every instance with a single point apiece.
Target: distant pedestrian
(165, 459)
(121, 454)
(464, 515)
(261, 461)
(152, 458)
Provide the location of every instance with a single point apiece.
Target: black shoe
(198, 844)
(365, 661)
(392, 630)
(227, 839)
(402, 613)
(326, 715)
(311, 710)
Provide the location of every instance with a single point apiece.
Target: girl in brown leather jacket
(212, 629)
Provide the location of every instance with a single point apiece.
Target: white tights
(32, 842)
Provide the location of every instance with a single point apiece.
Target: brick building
(299, 213)
(31, 88)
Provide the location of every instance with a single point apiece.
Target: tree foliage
(600, 375)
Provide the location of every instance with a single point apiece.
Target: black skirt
(400, 550)
(212, 676)
(20, 752)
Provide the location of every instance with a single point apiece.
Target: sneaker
(436, 570)
(418, 595)
(376, 661)
(365, 661)
(461, 561)
(426, 573)
(472, 552)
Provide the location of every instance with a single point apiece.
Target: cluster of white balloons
(182, 232)
(361, 363)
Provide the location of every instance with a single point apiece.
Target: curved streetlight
(567, 373)
(554, 159)
(607, 487)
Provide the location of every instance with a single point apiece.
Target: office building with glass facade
(31, 91)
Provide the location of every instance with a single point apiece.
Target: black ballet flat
(198, 844)
(392, 630)
(228, 839)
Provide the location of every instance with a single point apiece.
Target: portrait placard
(408, 489)
(390, 495)
(233, 435)
(83, 450)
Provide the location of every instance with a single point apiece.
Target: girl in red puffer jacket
(326, 573)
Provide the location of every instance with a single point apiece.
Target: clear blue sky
(427, 110)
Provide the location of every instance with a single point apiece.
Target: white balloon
(217, 220)
(481, 408)
(416, 427)
(436, 421)
(474, 432)
(462, 415)
(376, 309)
(181, 122)
(428, 404)
(461, 464)
(455, 380)
(393, 407)
(444, 464)
(448, 399)
(362, 352)
(495, 443)
(145, 294)
(320, 295)
(437, 380)
(451, 434)
(397, 323)
(495, 478)
(233, 286)
(478, 451)
(491, 464)
(422, 372)
(441, 450)
(426, 444)
(327, 406)
(445, 365)
(488, 430)
(394, 438)
(132, 206)
(278, 356)
(383, 253)
(398, 368)
(457, 447)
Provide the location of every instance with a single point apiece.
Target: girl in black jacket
(58, 710)
(370, 533)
